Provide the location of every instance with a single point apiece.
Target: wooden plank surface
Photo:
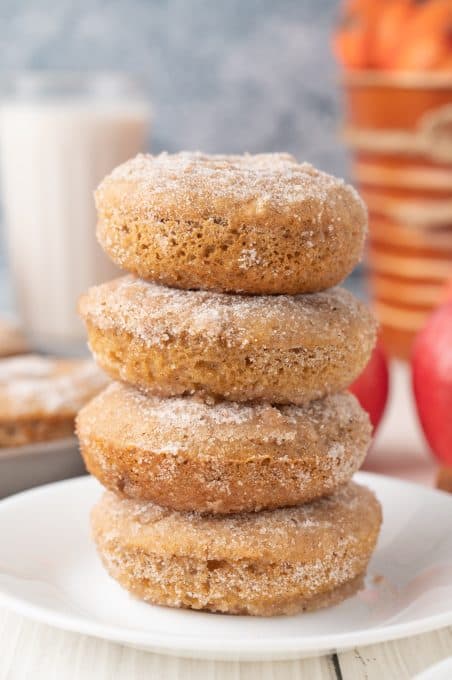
(32, 650)
(398, 660)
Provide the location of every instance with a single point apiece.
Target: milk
(53, 154)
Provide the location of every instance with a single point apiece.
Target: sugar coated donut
(266, 563)
(40, 396)
(282, 349)
(221, 458)
(253, 224)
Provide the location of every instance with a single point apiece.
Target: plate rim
(240, 647)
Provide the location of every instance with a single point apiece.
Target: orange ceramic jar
(399, 127)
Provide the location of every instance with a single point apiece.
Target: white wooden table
(30, 650)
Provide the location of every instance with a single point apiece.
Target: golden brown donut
(40, 396)
(265, 563)
(281, 349)
(252, 224)
(184, 454)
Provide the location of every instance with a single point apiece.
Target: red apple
(447, 291)
(432, 381)
(372, 386)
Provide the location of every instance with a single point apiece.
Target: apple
(372, 386)
(431, 364)
(447, 291)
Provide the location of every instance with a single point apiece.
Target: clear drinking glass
(60, 134)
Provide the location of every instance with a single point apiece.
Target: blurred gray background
(231, 75)
(223, 76)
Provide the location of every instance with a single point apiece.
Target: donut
(281, 349)
(266, 563)
(260, 224)
(40, 396)
(226, 457)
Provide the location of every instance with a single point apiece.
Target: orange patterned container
(399, 126)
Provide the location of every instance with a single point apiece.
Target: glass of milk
(60, 134)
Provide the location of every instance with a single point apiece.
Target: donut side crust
(256, 224)
(226, 255)
(194, 365)
(230, 587)
(268, 563)
(221, 458)
(30, 430)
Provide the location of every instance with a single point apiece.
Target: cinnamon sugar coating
(266, 563)
(261, 224)
(40, 396)
(281, 349)
(221, 458)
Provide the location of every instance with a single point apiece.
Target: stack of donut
(227, 442)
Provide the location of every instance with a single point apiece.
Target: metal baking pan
(22, 467)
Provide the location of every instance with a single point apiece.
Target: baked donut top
(33, 386)
(127, 417)
(304, 533)
(157, 314)
(196, 184)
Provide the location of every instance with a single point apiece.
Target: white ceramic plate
(440, 671)
(49, 571)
